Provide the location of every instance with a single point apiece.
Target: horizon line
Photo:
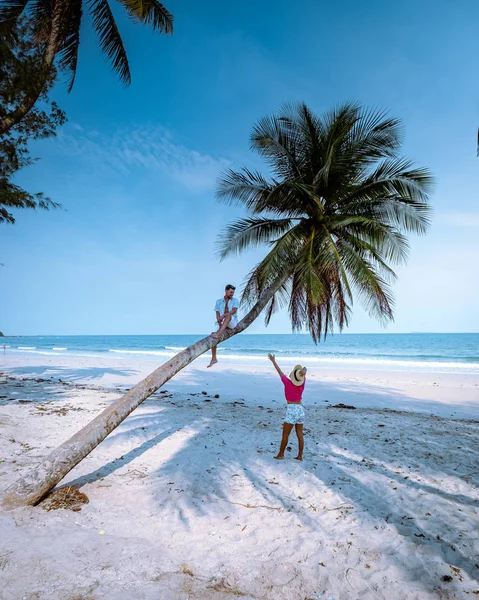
(262, 333)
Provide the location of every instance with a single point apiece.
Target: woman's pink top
(293, 393)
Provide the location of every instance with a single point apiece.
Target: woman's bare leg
(299, 433)
(287, 427)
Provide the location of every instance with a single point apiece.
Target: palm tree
(334, 214)
(57, 24)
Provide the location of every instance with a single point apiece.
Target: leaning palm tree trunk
(36, 484)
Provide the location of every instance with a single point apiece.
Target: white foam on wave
(365, 362)
(361, 363)
(143, 352)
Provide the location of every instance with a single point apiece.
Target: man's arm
(234, 310)
(275, 364)
(219, 318)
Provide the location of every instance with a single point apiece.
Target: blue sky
(133, 251)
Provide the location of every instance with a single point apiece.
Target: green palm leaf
(110, 39)
(10, 11)
(247, 233)
(68, 57)
(151, 13)
(335, 215)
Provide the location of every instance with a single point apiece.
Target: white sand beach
(186, 501)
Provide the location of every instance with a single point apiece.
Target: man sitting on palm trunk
(226, 316)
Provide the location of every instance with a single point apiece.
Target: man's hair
(229, 287)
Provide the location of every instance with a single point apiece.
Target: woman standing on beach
(293, 391)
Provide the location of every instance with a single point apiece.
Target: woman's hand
(271, 357)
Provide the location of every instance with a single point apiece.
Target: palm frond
(280, 259)
(273, 139)
(247, 187)
(68, 55)
(40, 12)
(374, 136)
(278, 301)
(151, 13)
(249, 233)
(371, 287)
(10, 11)
(110, 39)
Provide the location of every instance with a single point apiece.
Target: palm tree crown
(334, 213)
(57, 25)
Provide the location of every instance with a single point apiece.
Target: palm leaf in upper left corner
(151, 13)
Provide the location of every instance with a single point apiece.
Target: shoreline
(448, 395)
(430, 353)
(382, 364)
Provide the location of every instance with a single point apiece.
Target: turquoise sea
(439, 352)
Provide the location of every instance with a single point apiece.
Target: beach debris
(67, 497)
(186, 570)
(279, 508)
(381, 425)
(204, 393)
(341, 405)
(456, 571)
(346, 576)
(341, 506)
(216, 396)
(446, 578)
(224, 586)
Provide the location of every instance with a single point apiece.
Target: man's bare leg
(224, 325)
(299, 433)
(213, 357)
(287, 427)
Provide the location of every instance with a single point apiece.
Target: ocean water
(438, 352)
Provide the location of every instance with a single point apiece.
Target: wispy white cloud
(150, 148)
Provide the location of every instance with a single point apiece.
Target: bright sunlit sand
(186, 501)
